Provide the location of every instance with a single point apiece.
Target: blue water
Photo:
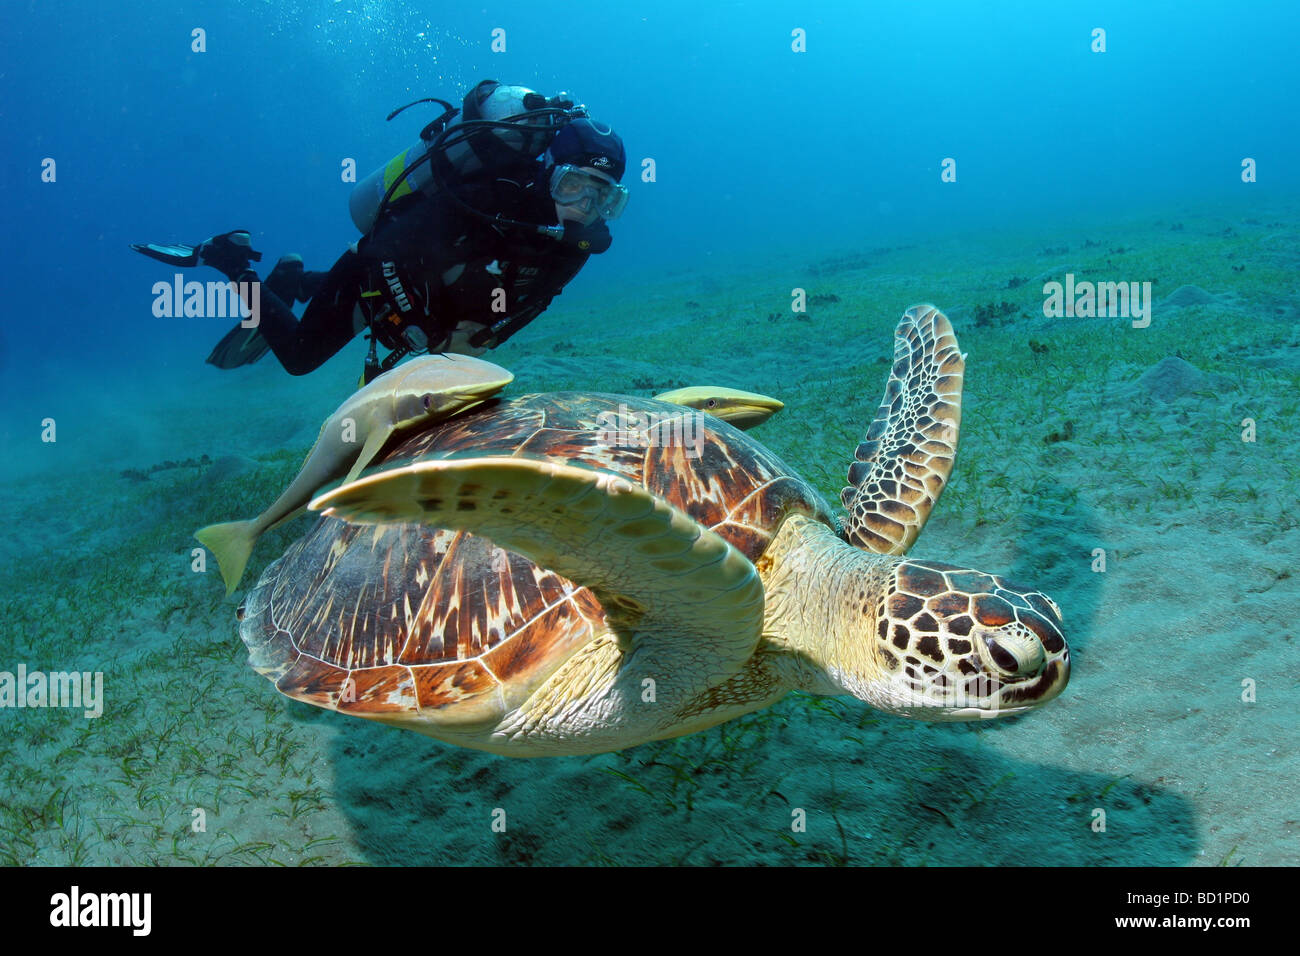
(754, 144)
(755, 149)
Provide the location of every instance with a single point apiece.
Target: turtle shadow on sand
(899, 793)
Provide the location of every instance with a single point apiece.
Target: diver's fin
(174, 254)
(240, 346)
(226, 250)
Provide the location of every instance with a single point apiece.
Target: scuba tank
(406, 172)
(500, 129)
(368, 195)
(500, 126)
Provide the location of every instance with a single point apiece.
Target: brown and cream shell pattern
(407, 623)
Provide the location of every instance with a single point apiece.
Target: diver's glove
(593, 239)
(229, 253)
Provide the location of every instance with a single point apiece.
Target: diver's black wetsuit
(436, 266)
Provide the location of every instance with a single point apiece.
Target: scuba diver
(467, 237)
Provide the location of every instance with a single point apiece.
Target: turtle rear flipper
(907, 456)
(687, 606)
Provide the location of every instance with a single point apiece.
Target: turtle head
(951, 643)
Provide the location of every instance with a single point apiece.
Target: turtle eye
(1014, 651)
(1002, 657)
(428, 402)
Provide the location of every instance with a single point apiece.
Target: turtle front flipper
(687, 606)
(907, 455)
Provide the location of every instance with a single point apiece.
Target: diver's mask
(570, 185)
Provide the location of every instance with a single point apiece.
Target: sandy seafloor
(1078, 434)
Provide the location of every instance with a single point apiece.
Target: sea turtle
(577, 572)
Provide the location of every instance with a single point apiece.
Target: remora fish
(420, 392)
(735, 407)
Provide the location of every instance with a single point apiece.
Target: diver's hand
(592, 239)
(229, 253)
